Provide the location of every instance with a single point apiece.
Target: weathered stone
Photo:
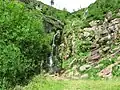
(104, 32)
(52, 24)
(109, 15)
(98, 66)
(116, 21)
(85, 67)
(118, 58)
(106, 38)
(118, 14)
(106, 49)
(70, 74)
(84, 76)
(106, 73)
(95, 57)
(76, 74)
(88, 29)
(86, 34)
(94, 23)
(94, 52)
(74, 67)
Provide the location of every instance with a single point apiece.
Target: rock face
(105, 34)
(52, 24)
(98, 39)
(107, 72)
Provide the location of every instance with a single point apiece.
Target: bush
(101, 7)
(23, 43)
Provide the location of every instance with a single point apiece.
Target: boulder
(106, 38)
(84, 76)
(95, 57)
(85, 67)
(106, 49)
(109, 15)
(86, 34)
(106, 73)
(98, 66)
(115, 21)
(118, 14)
(94, 23)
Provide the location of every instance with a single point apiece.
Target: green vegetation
(97, 10)
(101, 7)
(46, 10)
(77, 22)
(50, 11)
(23, 43)
(39, 83)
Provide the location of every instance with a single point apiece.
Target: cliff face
(91, 43)
(90, 38)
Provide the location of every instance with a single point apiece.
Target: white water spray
(53, 46)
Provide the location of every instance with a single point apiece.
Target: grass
(39, 83)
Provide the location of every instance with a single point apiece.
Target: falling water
(51, 61)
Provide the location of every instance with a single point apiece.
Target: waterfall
(50, 61)
(51, 57)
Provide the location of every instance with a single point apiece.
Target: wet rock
(52, 24)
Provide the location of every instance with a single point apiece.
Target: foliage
(97, 10)
(105, 62)
(47, 10)
(50, 11)
(23, 43)
(43, 83)
(39, 83)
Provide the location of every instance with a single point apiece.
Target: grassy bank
(39, 83)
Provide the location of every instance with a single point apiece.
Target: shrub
(23, 43)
